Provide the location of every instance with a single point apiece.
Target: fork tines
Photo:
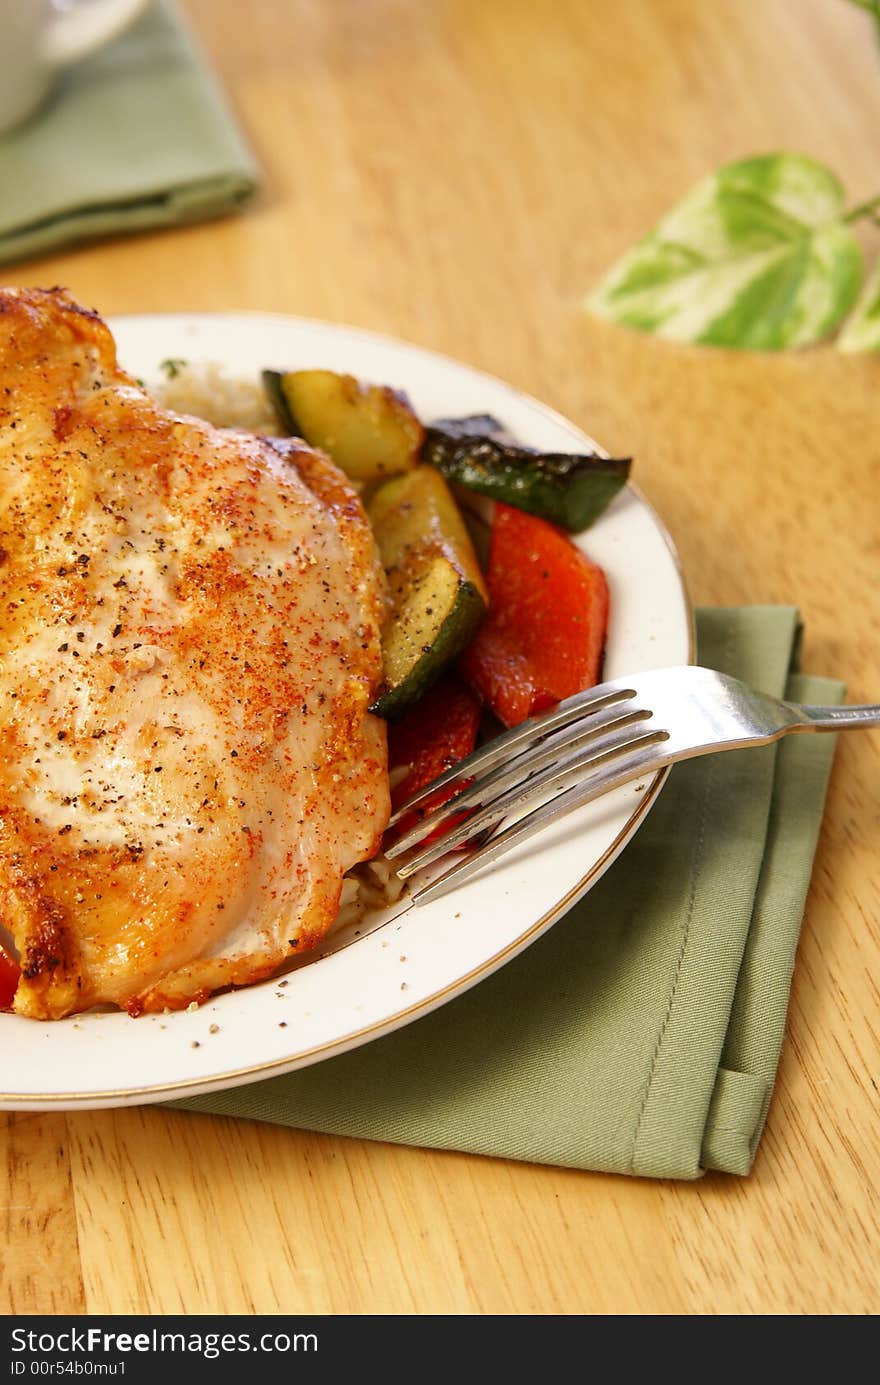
(590, 745)
(529, 765)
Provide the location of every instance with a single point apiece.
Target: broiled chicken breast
(189, 641)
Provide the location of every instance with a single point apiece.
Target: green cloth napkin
(641, 1034)
(136, 136)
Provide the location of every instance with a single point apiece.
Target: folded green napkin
(136, 136)
(641, 1034)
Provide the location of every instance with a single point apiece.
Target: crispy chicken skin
(189, 641)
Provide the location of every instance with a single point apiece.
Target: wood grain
(459, 175)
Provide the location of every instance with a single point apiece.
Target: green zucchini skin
(437, 592)
(273, 384)
(370, 431)
(450, 639)
(568, 489)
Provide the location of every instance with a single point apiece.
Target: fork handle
(839, 718)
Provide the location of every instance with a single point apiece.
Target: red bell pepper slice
(9, 974)
(544, 636)
(434, 735)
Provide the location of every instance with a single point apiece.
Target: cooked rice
(208, 392)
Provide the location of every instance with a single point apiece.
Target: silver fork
(588, 745)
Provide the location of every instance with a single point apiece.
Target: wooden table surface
(458, 173)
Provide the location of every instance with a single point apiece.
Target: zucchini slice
(570, 489)
(370, 431)
(438, 593)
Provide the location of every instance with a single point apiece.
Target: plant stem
(869, 208)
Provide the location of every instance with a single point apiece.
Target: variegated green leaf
(873, 8)
(757, 256)
(861, 332)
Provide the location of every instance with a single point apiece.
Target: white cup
(39, 39)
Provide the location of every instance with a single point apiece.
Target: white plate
(421, 958)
